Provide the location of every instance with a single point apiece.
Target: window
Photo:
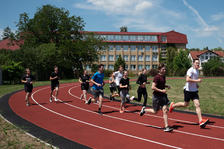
(111, 67)
(133, 58)
(110, 37)
(133, 67)
(140, 47)
(154, 48)
(111, 47)
(147, 38)
(154, 58)
(118, 47)
(147, 58)
(125, 38)
(125, 47)
(147, 48)
(103, 58)
(140, 58)
(126, 67)
(140, 38)
(125, 57)
(133, 47)
(133, 38)
(163, 38)
(117, 56)
(147, 67)
(117, 37)
(153, 38)
(154, 66)
(111, 58)
(140, 67)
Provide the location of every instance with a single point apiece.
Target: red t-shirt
(160, 82)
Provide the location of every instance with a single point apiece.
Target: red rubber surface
(79, 122)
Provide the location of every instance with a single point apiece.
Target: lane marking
(188, 133)
(96, 126)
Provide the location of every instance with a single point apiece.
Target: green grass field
(211, 93)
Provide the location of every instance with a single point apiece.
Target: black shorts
(84, 86)
(97, 93)
(113, 89)
(159, 101)
(53, 86)
(28, 89)
(190, 95)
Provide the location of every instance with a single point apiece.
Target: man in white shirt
(117, 76)
(191, 92)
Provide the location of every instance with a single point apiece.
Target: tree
(171, 53)
(7, 33)
(214, 67)
(119, 61)
(181, 63)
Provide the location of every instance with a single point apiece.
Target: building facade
(138, 49)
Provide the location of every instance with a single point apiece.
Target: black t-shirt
(160, 82)
(28, 78)
(141, 79)
(124, 82)
(55, 81)
(84, 79)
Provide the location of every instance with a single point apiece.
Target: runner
(28, 85)
(84, 80)
(191, 92)
(142, 81)
(113, 88)
(117, 76)
(54, 77)
(97, 87)
(124, 91)
(159, 99)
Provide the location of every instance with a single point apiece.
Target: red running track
(79, 122)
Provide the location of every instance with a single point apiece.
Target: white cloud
(117, 7)
(218, 17)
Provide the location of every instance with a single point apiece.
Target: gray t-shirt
(118, 75)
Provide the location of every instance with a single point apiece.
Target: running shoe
(100, 112)
(50, 99)
(121, 111)
(171, 107)
(142, 111)
(55, 99)
(132, 98)
(168, 129)
(89, 100)
(203, 123)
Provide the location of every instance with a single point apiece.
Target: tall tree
(119, 61)
(171, 53)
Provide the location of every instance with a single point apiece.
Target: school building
(138, 49)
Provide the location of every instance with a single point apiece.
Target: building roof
(196, 54)
(172, 36)
(10, 45)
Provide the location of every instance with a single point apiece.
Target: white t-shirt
(193, 74)
(117, 76)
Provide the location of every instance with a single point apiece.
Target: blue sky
(201, 20)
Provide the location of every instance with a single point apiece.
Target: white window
(111, 58)
(147, 58)
(154, 58)
(133, 67)
(118, 47)
(154, 48)
(140, 58)
(125, 57)
(133, 58)
(147, 67)
(140, 67)
(111, 47)
(125, 47)
(147, 48)
(103, 58)
(133, 47)
(111, 67)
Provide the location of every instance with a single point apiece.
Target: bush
(214, 67)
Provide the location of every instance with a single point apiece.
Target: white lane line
(188, 133)
(96, 126)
